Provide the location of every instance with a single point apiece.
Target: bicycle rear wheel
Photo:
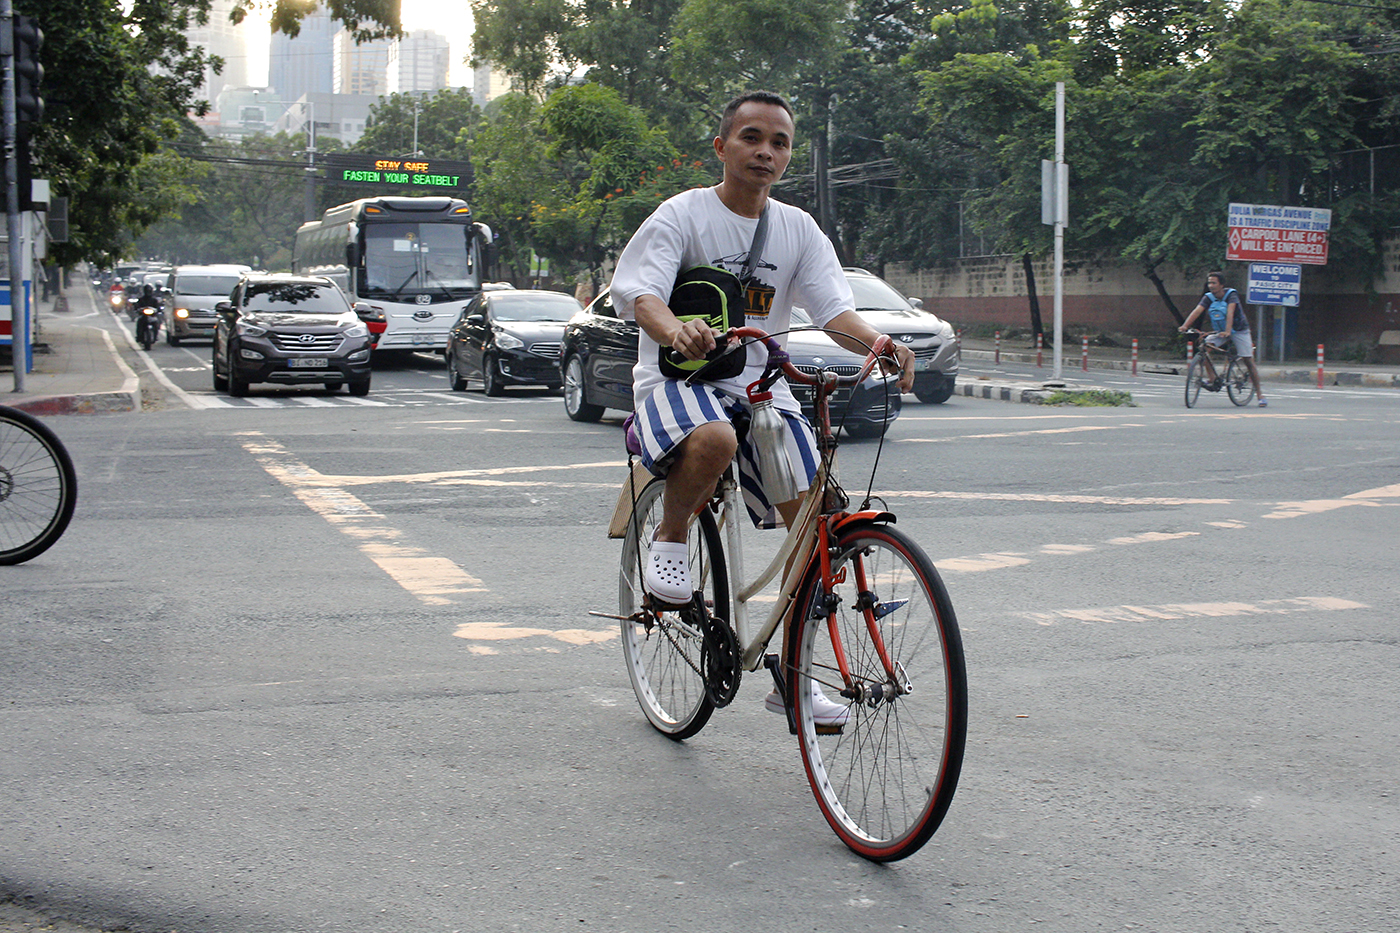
(1194, 375)
(885, 780)
(664, 652)
(38, 487)
(1237, 381)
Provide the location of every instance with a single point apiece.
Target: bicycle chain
(720, 668)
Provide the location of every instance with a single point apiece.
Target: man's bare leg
(700, 461)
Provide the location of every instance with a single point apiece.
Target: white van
(194, 290)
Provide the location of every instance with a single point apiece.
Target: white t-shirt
(797, 265)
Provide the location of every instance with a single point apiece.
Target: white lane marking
(981, 562)
(971, 437)
(1366, 497)
(433, 580)
(1113, 615)
(1152, 537)
(1051, 497)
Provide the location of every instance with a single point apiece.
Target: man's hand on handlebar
(902, 363)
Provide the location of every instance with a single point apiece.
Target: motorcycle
(117, 299)
(147, 326)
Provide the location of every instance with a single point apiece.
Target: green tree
(436, 121)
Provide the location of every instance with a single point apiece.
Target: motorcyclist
(148, 299)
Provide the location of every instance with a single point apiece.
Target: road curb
(1382, 380)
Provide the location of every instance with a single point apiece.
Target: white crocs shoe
(824, 711)
(667, 574)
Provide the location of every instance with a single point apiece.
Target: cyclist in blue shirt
(1230, 323)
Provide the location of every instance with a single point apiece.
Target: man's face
(1215, 287)
(759, 145)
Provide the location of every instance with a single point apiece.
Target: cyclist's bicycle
(38, 486)
(871, 623)
(1236, 380)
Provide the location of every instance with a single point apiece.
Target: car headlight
(357, 330)
(245, 329)
(182, 313)
(508, 341)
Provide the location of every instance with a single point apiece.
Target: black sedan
(509, 337)
(600, 350)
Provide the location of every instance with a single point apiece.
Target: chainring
(719, 661)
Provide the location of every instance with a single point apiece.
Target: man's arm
(848, 325)
(1190, 318)
(1230, 310)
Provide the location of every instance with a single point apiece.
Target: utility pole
(19, 309)
(309, 213)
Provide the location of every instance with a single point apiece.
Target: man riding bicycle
(1230, 323)
(686, 432)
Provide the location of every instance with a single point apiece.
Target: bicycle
(871, 620)
(38, 486)
(1236, 381)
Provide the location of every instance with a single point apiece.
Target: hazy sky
(453, 20)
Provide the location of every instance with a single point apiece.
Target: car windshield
(205, 284)
(516, 307)
(294, 298)
(873, 294)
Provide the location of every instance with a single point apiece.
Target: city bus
(417, 260)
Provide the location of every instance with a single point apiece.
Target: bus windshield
(408, 259)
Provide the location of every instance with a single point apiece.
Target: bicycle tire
(1238, 382)
(886, 779)
(664, 660)
(1193, 380)
(38, 487)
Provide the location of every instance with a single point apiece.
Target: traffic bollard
(1084, 355)
(1039, 349)
(997, 358)
(1134, 356)
(1319, 365)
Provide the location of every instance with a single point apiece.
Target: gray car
(193, 293)
(937, 354)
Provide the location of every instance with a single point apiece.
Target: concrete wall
(1337, 309)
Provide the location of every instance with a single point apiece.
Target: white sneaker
(667, 572)
(824, 711)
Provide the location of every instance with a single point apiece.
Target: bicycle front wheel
(1195, 372)
(1237, 381)
(885, 779)
(38, 487)
(664, 651)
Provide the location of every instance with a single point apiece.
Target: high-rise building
(418, 62)
(359, 69)
(304, 64)
(488, 84)
(229, 42)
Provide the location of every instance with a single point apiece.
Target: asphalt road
(313, 665)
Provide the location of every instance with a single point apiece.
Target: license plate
(308, 362)
(421, 339)
(921, 366)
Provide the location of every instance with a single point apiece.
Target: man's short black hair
(726, 120)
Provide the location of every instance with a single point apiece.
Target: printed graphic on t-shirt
(758, 297)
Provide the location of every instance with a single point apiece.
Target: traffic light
(29, 73)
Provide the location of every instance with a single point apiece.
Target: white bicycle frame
(800, 540)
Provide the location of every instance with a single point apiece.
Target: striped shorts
(673, 410)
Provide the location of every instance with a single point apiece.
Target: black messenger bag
(718, 296)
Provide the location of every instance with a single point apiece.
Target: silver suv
(936, 352)
(193, 292)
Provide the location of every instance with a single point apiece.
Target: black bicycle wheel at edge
(886, 778)
(1193, 380)
(1238, 383)
(664, 657)
(38, 487)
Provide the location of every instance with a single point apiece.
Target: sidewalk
(1156, 361)
(77, 368)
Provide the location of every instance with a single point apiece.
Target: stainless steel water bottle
(768, 432)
